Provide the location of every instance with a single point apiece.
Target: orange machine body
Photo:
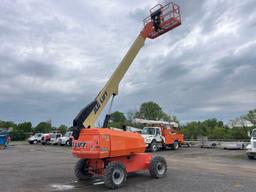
(95, 143)
(171, 136)
(102, 145)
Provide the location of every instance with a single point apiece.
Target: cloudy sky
(56, 55)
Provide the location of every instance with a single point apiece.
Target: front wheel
(81, 170)
(68, 143)
(158, 167)
(114, 175)
(153, 146)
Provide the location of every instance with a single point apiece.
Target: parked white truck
(66, 139)
(251, 148)
(36, 138)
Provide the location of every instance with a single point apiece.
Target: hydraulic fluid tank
(94, 143)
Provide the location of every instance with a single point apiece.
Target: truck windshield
(254, 133)
(148, 131)
(67, 134)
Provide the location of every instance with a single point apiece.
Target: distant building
(239, 122)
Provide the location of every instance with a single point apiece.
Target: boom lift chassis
(111, 153)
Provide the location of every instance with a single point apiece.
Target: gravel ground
(25, 167)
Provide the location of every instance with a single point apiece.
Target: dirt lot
(25, 167)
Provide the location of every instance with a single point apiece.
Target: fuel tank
(95, 143)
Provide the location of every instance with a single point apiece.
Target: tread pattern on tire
(173, 145)
(107, 177)
(79, 170)
(151, 146)
(153, 167)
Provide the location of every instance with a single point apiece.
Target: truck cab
(251, 148)
(152, 137)
(54, 138)
(33, 139)
(66, 139)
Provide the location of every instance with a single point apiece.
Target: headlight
(148, 140)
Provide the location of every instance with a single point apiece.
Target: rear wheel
(250, 157)
(81, 170)
(114, 175)
(153, 146)
(158, 167)
(175, 145)
(68, 143)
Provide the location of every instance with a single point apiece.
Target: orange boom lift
(111, 153)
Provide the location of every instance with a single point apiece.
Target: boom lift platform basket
(165, 18)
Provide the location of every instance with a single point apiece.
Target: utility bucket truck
(160, 134)
(251, 148)
(162, 138)
(111, 153)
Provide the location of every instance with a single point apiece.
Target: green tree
(212, 128)
(17, 135)
(26, 127)
(150, 110)
(7, 124)
(117, 119)
(251, 116)
(218, 133)
(43, 127)
(238, 133)
(192, 130)
(63, 129)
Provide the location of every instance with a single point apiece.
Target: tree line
(212, 128)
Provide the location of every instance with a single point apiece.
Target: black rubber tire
(175, 145)
(153, 147)
(81, 170)
(250, 157)
(68, 143)
(158, 167)
(112, 170)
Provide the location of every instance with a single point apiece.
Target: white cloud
(58, 55)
